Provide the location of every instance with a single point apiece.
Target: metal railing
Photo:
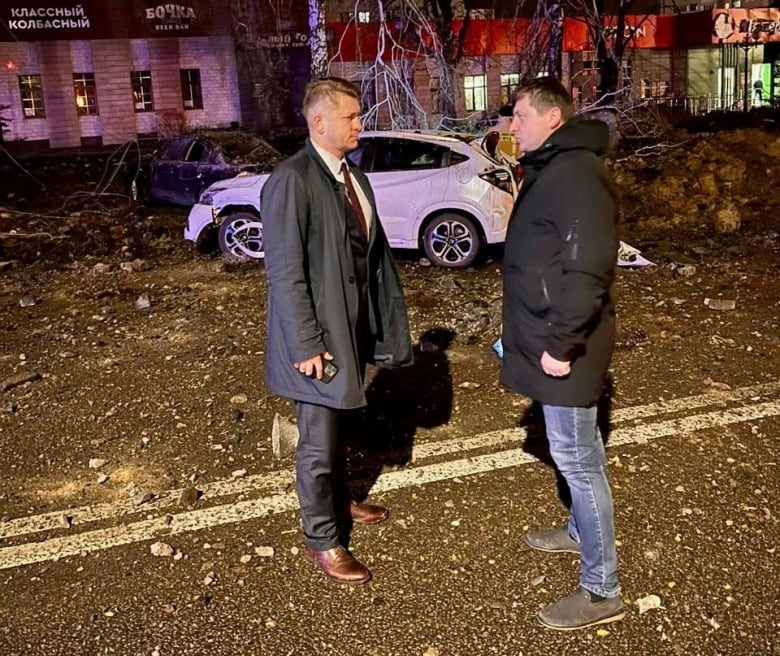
(704, 104)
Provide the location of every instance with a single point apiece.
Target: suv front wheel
(452, 240)
(241, 236)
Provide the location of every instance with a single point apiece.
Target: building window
(32, 96)
(475, 87)
(590, 60)
(509, 82)
(364, 17)
(86, 93)
(141, 82)
(190, 88)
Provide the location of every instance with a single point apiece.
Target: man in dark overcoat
(335, 304)
(558, 327)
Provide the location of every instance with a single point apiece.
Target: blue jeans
(578, 452)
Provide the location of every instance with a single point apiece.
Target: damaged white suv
(438, 192)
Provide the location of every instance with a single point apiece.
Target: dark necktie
(353, 199)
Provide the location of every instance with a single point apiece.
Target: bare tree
(611, 34)
(541, 36)
(411, 33)
(318, 44)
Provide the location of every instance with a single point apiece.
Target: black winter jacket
(312, 292)
(559, 262)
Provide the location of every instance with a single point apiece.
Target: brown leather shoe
(365, 513)
(339, 564)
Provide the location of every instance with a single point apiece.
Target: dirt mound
(695, 180)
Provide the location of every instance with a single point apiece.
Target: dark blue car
(182, 167)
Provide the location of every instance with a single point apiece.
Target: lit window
(590, 60)
(509, 82)
(190, 88)
(86, 93)
(141, 82)
(364, 16)
(32, 96)
(475, 88)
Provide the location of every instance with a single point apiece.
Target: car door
(163, 169)
(191, 170)
(406, 176)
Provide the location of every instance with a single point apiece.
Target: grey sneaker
(556, 539)
(577, 611)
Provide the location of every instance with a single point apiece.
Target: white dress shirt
(334, 165)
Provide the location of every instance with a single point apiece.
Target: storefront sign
(55, 20)
(737, 25)
(284, 40)
(72, 17)
(170, 17)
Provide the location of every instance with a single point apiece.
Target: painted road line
(283, 479)
(63, 547)
(276, 481)
(687, 403)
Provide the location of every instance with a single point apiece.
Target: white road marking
(281, 480)
(687, 403)
(71, 545)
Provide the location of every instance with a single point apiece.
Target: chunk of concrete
(284, 437)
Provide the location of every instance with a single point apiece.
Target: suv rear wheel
(240, 236)
(452, 240)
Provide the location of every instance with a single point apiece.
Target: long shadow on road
(399, 402)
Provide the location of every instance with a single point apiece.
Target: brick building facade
(104, 72)
(107, 71)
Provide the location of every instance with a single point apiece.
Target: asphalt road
(694, 479)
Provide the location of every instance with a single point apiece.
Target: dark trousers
(320, 477)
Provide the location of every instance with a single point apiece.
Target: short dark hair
(327, 88)
(547, 92)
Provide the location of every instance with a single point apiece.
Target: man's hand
(553, 367)
(313, 366)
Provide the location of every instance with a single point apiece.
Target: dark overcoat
(313, 295)
(559, 263)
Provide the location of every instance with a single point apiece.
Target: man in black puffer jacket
(559, 323)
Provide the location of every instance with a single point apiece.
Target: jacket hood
(575, 134)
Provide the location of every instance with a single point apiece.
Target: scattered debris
(723, 304)
(162, 550)
(190, 496)
(143, 302)
(19, 379)
(631, 258)
(727, 219)
(141, 497)
(679, 269)
(284, 437)
(131, 267)
(720, 386)
(265, 552)
(650, 602)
